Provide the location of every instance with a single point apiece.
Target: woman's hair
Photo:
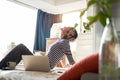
(69, 33)
(72, 34)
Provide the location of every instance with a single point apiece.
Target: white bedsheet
(21, 74)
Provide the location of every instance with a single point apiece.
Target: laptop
(36, 63)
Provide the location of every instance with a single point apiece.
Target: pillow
(88, 64)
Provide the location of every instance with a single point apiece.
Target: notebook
(36, 63)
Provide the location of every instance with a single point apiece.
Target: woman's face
(67, 33)
(64, 31)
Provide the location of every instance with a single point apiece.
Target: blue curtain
(44, 23)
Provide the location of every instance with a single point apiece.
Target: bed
(20, 74)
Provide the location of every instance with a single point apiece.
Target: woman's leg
(15, 55)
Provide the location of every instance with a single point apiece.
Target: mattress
(20, 74)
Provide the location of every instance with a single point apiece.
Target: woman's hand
(43, 53)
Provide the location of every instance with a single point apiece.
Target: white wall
(84, 45)
(85, 41)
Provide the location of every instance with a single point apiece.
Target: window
(69, 19)
(17, 24)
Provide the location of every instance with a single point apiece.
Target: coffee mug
(11, 64)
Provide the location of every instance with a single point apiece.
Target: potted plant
(109, 46)
(103, 14)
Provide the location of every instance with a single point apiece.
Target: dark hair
(73, 34)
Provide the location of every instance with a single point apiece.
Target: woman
(55, 52)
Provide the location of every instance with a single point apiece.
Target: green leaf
(86, 26)
(91, 2)
(102, 18)
(91, 18)
(75, 25)
(83, 12)
(103, 14)
(109, 14)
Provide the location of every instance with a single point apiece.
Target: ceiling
(54, 6)
(59, 2)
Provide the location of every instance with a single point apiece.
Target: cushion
(88, 64)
